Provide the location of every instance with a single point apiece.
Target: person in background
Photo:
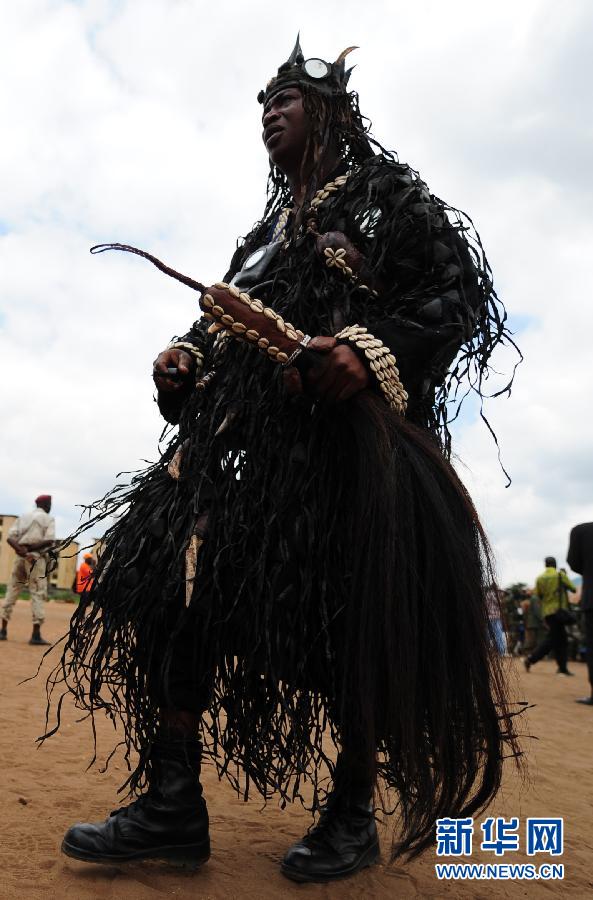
(580, 559)
(30, 537)
(518, 629)
(512, 618)
(551, 588)
(84, 575)
(535, 629)
(495, 618)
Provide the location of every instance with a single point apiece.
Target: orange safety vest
(84, 578)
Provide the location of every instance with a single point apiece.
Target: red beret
(42, 497)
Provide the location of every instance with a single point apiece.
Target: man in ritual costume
(302, 563)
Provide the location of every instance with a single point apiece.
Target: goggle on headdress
(327, 78)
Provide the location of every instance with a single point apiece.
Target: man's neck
(298, 188)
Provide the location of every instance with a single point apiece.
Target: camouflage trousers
(31, 574)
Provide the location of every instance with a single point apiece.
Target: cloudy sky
(136, 121)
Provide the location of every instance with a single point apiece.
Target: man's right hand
(172, 359)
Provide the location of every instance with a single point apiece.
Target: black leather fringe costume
(341, 579)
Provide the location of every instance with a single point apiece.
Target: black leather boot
(343, 841)
(169, 821)
(38, 641)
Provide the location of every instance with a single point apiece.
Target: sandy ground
(44, 790)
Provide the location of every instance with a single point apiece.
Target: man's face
(286, 127)
(45, 505)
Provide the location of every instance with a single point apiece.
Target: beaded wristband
(196, 355)
(381, 362)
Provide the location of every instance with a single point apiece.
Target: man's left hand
(339, 376)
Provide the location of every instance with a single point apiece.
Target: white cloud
(137, 121)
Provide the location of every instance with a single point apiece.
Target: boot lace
(329, 830)
(135, 806)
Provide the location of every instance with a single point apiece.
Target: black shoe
(586, 701)
(38, 641)
(527, 663)
(343, 842)
(565, 672)
(3, 635)
(169, 822)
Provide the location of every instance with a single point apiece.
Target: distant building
(62, 577)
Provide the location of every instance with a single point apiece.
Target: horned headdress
(327, 78)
